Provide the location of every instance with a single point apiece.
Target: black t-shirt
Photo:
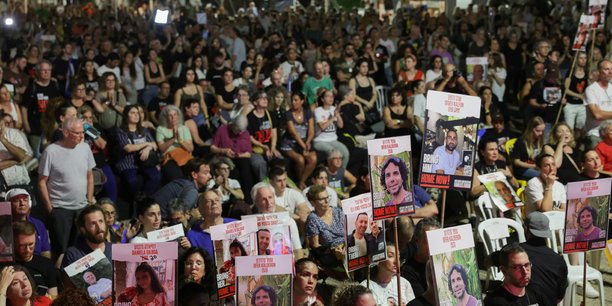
(501, 297)
(157, 104)
(549, 270)
(261, 128)
(548, 93)
(44, 273)
(414, 271)
(215, 77)
(35, 99)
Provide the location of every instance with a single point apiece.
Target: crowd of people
(113, 126)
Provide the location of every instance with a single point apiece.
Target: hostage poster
(449, 143)
(264, 280)
(365, 237)
(94, 273)
(274, 236)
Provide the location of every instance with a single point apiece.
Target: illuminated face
(538, 131)
(490, 153)
(210, 205)
(4, 94)
(586, 219)
(296, 102)
(133, 115)
(95, 227)
(279, 183)
(151, 219)
(24, 246)
(548, 166)
(563, 133)
(457, 284)
(203, 175)
(321, 179)
(194, 267)
(109, 214)
(361, 224)
(390, 264)
(20, 287)
(518, 271)
(393, 179)
(20, 205)
(305, 281)
(173, 118)
(235, 252)
(75, 133)
(265, 201)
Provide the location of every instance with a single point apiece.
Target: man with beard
(394, 177)
(585, 219)
(344, 66)
(366, 243)
(458, 286)
(516, 267)
(449, 160)
(263, 241)
(92, 227)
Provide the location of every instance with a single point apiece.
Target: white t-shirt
(535, 192)
(381, 294)
(322, 115)
(499, 90)
(419, 106)
(595, 94)
(431, 75)
(287, 67)
(290, 199)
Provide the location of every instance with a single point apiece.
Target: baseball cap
(538, 225)
(17, 193)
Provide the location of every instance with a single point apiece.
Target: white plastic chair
(485, 206)
(574, 273)
(494, 233)
(381, 100)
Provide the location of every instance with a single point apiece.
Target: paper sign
(264, 278)
(449, 144)
(155, 261)
(161, 16)
(6, 232)
(273, 233)
(94, 273)
(391, 177)
(597, 9)
(166, 234)
(455, 266)
(365, 237)
(476, 68)
(586, 215)
(583, 32)
(501, 192)
(230, 241)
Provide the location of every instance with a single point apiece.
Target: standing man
(599, 101)
(66, 181)
(313, 83)
(449, 160)
(516, 267)
(35, 99)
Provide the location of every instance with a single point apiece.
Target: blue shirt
(447, 162)
(42, 236)
(421, 197)
(200, 238)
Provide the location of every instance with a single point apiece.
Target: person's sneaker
(590, 291)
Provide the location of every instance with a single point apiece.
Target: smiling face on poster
(391, 177)
(264, 280)
(450, 140)
(586, 216)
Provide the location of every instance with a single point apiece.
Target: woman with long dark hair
(197, 284)
(150, 291)
(17, 288)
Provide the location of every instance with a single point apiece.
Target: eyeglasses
(518, 268)
(323, 200)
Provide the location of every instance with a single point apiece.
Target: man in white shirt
(599, 101)
(544, 193)
(291, 68)
(288, 198)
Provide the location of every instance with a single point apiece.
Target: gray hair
(259, 186)
(240, 122)
(603, 128)
(176, 205)
(69, 122)
(163, 116)
(332, 153)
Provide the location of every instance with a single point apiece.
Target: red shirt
(605, 153)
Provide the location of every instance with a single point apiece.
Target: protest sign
(583, 33)
(166, 234)
(365, 237)
(6, 232)
(597, 9)
(140, 266)
(232, 240)
(94, 273)
(586, 215)
(455, 266)
(476, 69)
(264, 278)
(391, 177)
(274, 236)
(500, 191)
(449, 144)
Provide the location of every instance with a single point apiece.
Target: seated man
(14, 152)
(92, 228)
(41, 268)
(21, 206)
(288, 198)
(516, 267)
(544, 193)
(209, 206)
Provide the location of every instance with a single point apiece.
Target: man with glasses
(516, 267)
(66, 181)
(21, 206)
(265, 203)
(41, 268)
(35, 99)
(197, 176)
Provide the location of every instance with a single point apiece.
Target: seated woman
(325, 228)
(17, 288)
(197, 285)
(136, 149)
(297, 141)
(174, 142)
(196, 123)
(527, 148)
(489, 162)
(604, 148)
(562, 146)
(338, 176)
(305, 283)
(228, 188)
(592, 168)
(149, 218)
(397, 116)
(328, 120)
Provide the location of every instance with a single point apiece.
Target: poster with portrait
(583, 33)
(274, 236)
(476, 68)
(597, 9)
(232, 240)
(6, 232)
(139, 267)
(586, 215)
(449, 143)
(365, 238)
(391, 177)
(94, 273)
(455, 268)
(265, 279)
(501, 192)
